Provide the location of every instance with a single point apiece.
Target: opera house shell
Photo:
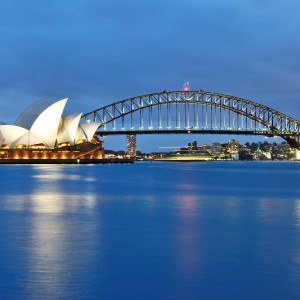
(43, 131)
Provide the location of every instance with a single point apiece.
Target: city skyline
(242, 140)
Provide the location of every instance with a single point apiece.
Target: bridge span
(193, 112)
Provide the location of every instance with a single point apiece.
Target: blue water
(215, 230)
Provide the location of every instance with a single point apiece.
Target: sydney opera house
(44, 132)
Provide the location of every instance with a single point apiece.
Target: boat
(186, 155)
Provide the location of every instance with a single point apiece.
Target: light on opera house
(44, 132)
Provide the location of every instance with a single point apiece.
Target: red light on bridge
(186, 87)
(188, 131)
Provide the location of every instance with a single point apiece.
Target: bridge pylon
(292, 141)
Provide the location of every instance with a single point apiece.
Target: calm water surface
(216, 230)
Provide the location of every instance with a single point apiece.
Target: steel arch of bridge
(193, 112)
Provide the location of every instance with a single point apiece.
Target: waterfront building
(283, 151)
(233, 146)
(233, 149)
(44, 131)
(204, 148)
(216, 149)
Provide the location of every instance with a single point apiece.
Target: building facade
(131, 145)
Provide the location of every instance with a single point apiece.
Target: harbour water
(161, 230)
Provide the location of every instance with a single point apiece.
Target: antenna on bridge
(186, 87)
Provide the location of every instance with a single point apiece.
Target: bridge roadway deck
(192, 131)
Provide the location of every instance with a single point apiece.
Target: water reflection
(163, 231)
(58, 173)
(297, 212)
(188, 241)
(50, 202)
(59, 252)
(59, 248)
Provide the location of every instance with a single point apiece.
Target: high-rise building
(192, 145)
(131, 145)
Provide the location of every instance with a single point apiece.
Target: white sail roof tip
(89, 129)
(68, 128)
(46, 124)
(29, 115)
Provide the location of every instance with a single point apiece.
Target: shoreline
(65, 161)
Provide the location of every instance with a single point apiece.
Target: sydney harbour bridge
(188, 112)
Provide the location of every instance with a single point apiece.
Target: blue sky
(99, 52)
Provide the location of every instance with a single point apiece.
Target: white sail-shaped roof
(1, 135)
(80, 136)
(86, 131)
(42, 123)
(1, 138)
(11, 133)
(68, 129)
(46, 124)
(30, 114)
(28, 138)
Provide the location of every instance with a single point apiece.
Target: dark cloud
(98, 52)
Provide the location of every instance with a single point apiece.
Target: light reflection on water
(150, 231)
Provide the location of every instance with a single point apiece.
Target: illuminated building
(233, 149)
(216, 149)
(43, 132)
(131, 145)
